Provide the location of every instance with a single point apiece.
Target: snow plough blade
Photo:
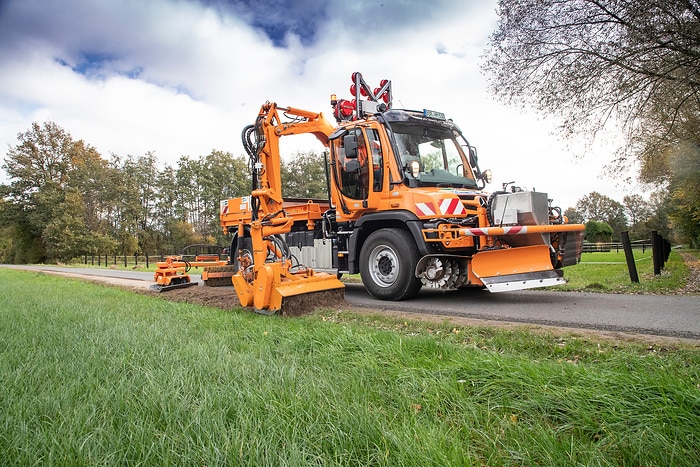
(518, 268)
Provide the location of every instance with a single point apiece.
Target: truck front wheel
(387, 264)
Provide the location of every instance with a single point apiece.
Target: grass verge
(97, 375)
(607, 272)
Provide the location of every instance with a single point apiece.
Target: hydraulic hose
(252, 148)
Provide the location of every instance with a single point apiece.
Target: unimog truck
(406, 209)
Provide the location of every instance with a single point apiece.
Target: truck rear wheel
(247, 247)
(387, 263)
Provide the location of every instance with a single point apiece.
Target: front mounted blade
(518, 268)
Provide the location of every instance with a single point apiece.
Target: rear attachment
(177, 283)
(218, 276)
(173, 272)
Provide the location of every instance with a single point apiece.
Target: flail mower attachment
(300, 291)
(265, 277)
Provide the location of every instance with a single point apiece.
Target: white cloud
(180, 78)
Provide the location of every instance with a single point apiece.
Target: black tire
(489, 206)
(387, 265)
(233, 254)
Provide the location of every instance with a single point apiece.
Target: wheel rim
(383, 266)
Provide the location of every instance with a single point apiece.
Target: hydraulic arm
(267, 274)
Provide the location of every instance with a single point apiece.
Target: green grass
(97, 375)
(607, 272)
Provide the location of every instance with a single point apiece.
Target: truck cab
(397, 151)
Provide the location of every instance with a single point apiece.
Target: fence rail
(130, 260)
(121, 260)
(617, 247)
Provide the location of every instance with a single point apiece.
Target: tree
(38, 168)
(191, 188)
(125, 208)
(88, 179)
(594, 62)
(304, 176)
(166, 212)
(65, 200)
(638, 211)
(41, 158)
(575, 216)
(684, 193)
(597, 207)
(598, 232)
(140, 197)
(224, 176)
(66, 235)
(660, 203)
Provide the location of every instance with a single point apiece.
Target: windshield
(432, 156)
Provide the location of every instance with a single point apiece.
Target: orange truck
(406, 209)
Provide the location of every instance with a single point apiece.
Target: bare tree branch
(593, 61)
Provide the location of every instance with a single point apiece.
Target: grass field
(98, 375)
(607, 272)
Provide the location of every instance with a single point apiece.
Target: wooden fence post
(656, 252)
(629, 256)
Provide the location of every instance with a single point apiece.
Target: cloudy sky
(183, 77)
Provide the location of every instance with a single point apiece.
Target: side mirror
(473, 159)
(350, 144)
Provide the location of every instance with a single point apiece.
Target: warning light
(346, 107)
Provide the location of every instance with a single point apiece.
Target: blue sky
(183, 77)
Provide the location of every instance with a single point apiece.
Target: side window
(352, 165)
(377, 159)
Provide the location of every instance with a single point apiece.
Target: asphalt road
(662, 315)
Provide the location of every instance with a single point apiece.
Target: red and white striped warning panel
(425, 209)
(452, 206)
(446, 207)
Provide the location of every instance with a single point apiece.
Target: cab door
(358, 171)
